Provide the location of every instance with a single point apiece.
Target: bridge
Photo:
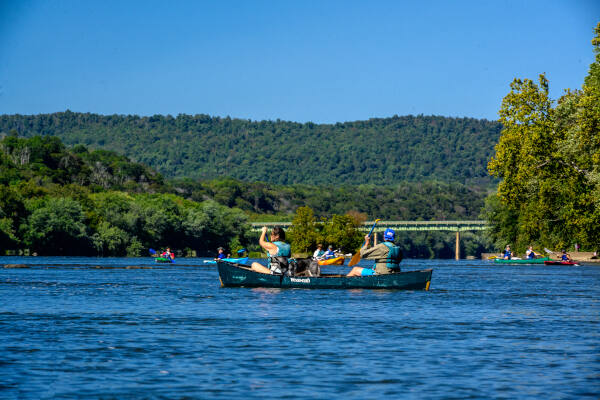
(449, 226)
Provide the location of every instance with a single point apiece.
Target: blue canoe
(243, 260)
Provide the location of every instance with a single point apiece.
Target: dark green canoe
(237, 275)
(524, 261)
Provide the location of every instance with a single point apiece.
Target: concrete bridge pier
(457, 252)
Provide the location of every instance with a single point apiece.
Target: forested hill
(376, 151)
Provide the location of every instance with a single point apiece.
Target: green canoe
(237, 275)
(524, 261)
(164, 260)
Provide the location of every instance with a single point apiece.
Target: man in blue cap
(387, 256)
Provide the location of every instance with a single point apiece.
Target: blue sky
(320, 61)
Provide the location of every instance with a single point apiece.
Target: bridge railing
(453, 226)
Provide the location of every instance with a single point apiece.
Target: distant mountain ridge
(376, 151)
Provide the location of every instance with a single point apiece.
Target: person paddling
(167, 254)
(318, 254)
(221, 254)
(387, 256)
(277, 250)
(507, 253)
(565, 256)
(530, 254)
(329, 253)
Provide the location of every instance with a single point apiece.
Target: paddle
(551, 252)
(152, 252)
(356, 257)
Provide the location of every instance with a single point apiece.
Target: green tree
(57, 228)
(341, 231)
(110, 240)
(135, 248)
(304, 230)
(548, 160)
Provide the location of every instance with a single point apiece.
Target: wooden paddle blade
(355, 259)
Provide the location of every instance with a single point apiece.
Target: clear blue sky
(320, 61)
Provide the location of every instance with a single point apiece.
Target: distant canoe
(237, 275)
(524, 261)
(243, 260)
(164, 260)
(333, 261)
(557, 262)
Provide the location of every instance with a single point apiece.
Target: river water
(105, 328)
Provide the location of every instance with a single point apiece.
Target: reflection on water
(129, 328)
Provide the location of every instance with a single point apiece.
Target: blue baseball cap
(389, 235)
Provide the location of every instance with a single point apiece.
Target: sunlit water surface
(105, 328)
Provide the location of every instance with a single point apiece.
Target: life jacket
(565, 258)
(278, 263)
(394, 256)
(530, 255)
(507, 254)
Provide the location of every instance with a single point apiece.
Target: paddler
(277, 250)
(507, 253)
(221, 254)
(530, 254)
(167, 254)
(318, 254)
(329, 253)
(565, 256)
(387, 256)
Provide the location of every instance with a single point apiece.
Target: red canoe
(560, 263)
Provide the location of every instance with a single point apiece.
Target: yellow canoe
(333, 261)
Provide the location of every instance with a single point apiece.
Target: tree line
(548, 160)
(379, 151)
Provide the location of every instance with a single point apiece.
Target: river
(127, 328)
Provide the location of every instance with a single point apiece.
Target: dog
(304, 267)
(296, 266)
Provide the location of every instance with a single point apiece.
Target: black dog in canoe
(297, 266)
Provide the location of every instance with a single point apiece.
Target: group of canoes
(531, 257)
(385, 273)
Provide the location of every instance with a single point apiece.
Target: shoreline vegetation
(56, 200)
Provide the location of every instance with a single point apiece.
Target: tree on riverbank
(548, 158)
(60, 201)
(339, 231)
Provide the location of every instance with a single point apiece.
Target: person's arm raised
(265, 244)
